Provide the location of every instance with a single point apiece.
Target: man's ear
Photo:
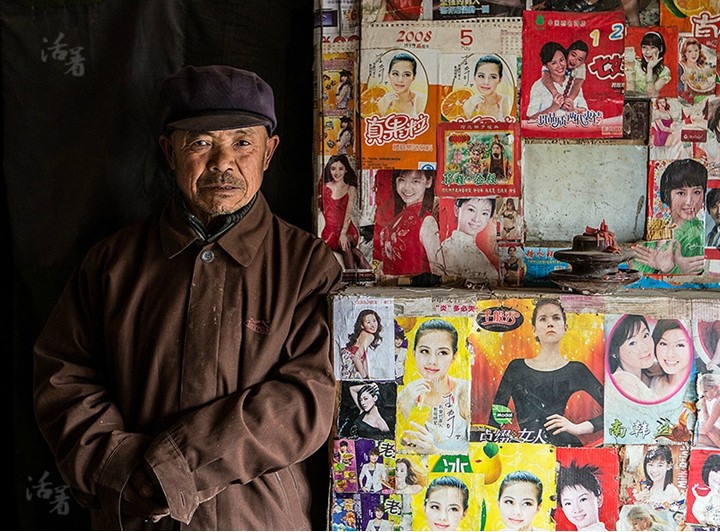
(168, 149)
(270, 146)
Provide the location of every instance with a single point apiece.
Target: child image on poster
(409, 243)
(367, 410)
(459, 252)
(580, 495)
(679, 209)
(404, 97)
(576, 55)
(486, 101)
(519, 499)
(435, 407)
(705, 500)
(339, 193)
(540, 386)
(553, 57)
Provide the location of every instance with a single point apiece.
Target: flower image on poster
(451, 501)
(478, 159)
(675, 226)
(649, 366)
(478, 87)
(651, 62)
(433, 406)
(468, 238)
(572, 83)
(538, 373)
(587, 489)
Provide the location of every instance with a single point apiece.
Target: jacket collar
(241, 241)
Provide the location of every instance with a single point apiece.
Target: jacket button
(207, 256)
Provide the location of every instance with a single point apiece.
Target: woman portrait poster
(593, 496)
(433, 405)
(479, 87)
(600, 115)
(521, 463)
(398, 98)
(506, 337)
(649, 365)
(654, 475)
(352, 334)
(451, 501)
(651, 61)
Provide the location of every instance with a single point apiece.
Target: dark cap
(216, 97)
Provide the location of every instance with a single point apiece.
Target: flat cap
(216, 97)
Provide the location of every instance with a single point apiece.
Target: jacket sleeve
(74, 408)
(269, 426)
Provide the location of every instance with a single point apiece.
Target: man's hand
(143, 495)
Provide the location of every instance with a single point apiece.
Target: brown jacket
(210, 361)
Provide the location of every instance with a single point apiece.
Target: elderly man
(185, 374)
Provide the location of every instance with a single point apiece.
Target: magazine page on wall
(573, 80)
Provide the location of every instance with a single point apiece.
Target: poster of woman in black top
(542, 374)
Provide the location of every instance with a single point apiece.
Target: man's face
(218, 172)
(714, 211)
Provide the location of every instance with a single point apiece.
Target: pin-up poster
(339, 78)
(649, 363)
(697, 67)
(587, 489)
(367, 409)
(573, 80)
(411, 477)
(538, 373)
(363, 338)
(519, 480)
(651, 62)
(478, 159)
(479, 87)
(451, 501)
(398, 101)
(468, 238)
(406, 236)
(675, 226)
(655, 476)
(433, 404)
(703, 492)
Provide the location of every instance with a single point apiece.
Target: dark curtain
(80, 160)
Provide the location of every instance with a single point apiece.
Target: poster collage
(525, 413)
(423, 106)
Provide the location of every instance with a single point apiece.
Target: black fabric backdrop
(81, 159)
